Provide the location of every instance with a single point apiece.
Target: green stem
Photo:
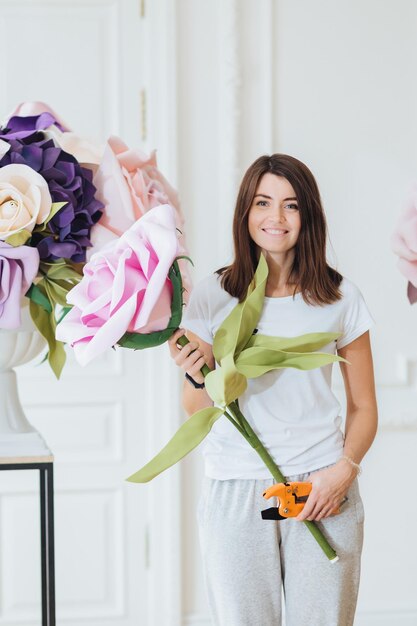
(235, 422)
(236, 417)
(256, 444)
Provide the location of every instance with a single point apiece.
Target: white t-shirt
(294, 413)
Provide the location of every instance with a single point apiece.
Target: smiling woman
(294, 413)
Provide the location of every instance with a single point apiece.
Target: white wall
(334, 85)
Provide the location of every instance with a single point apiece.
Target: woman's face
(274, 218)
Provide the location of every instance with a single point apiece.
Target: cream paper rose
(24, 199)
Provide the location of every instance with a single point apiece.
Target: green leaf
(223, 386)
(56, 293)
(301, 343)
(65, 272)
(187, 437)
(226, 384)
(176, 307)
(38, 296)
(254, 362)
(56, 206)
(46, 325)
(236, 330)
(44, 265)
(19, 239)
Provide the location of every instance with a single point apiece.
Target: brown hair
(318, 281)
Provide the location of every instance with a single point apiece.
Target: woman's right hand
(189, 357)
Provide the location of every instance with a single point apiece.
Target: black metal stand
(46, 491)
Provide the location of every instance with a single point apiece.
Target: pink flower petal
(124, 287)
(109, 334)
(404, 238)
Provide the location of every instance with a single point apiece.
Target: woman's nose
(278, 213)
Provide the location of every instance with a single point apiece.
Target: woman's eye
(262, 203)
(291, 206)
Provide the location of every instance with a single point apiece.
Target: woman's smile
(275, 232)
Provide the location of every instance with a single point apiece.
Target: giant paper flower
(124, 288)
(123, 182)
(24, 200)
(129, 184)
(18, 268)
(404, 243)
(68, 182)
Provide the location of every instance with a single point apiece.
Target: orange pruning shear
(291, 500)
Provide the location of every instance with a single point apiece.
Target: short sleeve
(196, 316)
(356, 317)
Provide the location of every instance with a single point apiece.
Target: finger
(189, 364)
(191, 349)
(307, 510)
(183, 353)
(172, 341)
(325, 512)
(327, 509)
(315, 512)
(336, 508)
(196, 368)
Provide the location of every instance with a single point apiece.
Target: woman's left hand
(330, 486)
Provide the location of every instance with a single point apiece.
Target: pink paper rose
(18, 268)
(129, 184)
(125, 287)
(122, 181)
(404, 244)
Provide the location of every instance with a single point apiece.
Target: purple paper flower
(68, 181)
(19, 127)
(18, 268)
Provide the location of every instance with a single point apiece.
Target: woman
(295, 414)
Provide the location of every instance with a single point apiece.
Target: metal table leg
(46, 475)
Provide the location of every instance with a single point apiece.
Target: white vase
(18, 438)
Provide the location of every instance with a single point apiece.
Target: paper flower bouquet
(61, 198)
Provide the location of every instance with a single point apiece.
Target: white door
(87, 60)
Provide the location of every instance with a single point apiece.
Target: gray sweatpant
(246, 559)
